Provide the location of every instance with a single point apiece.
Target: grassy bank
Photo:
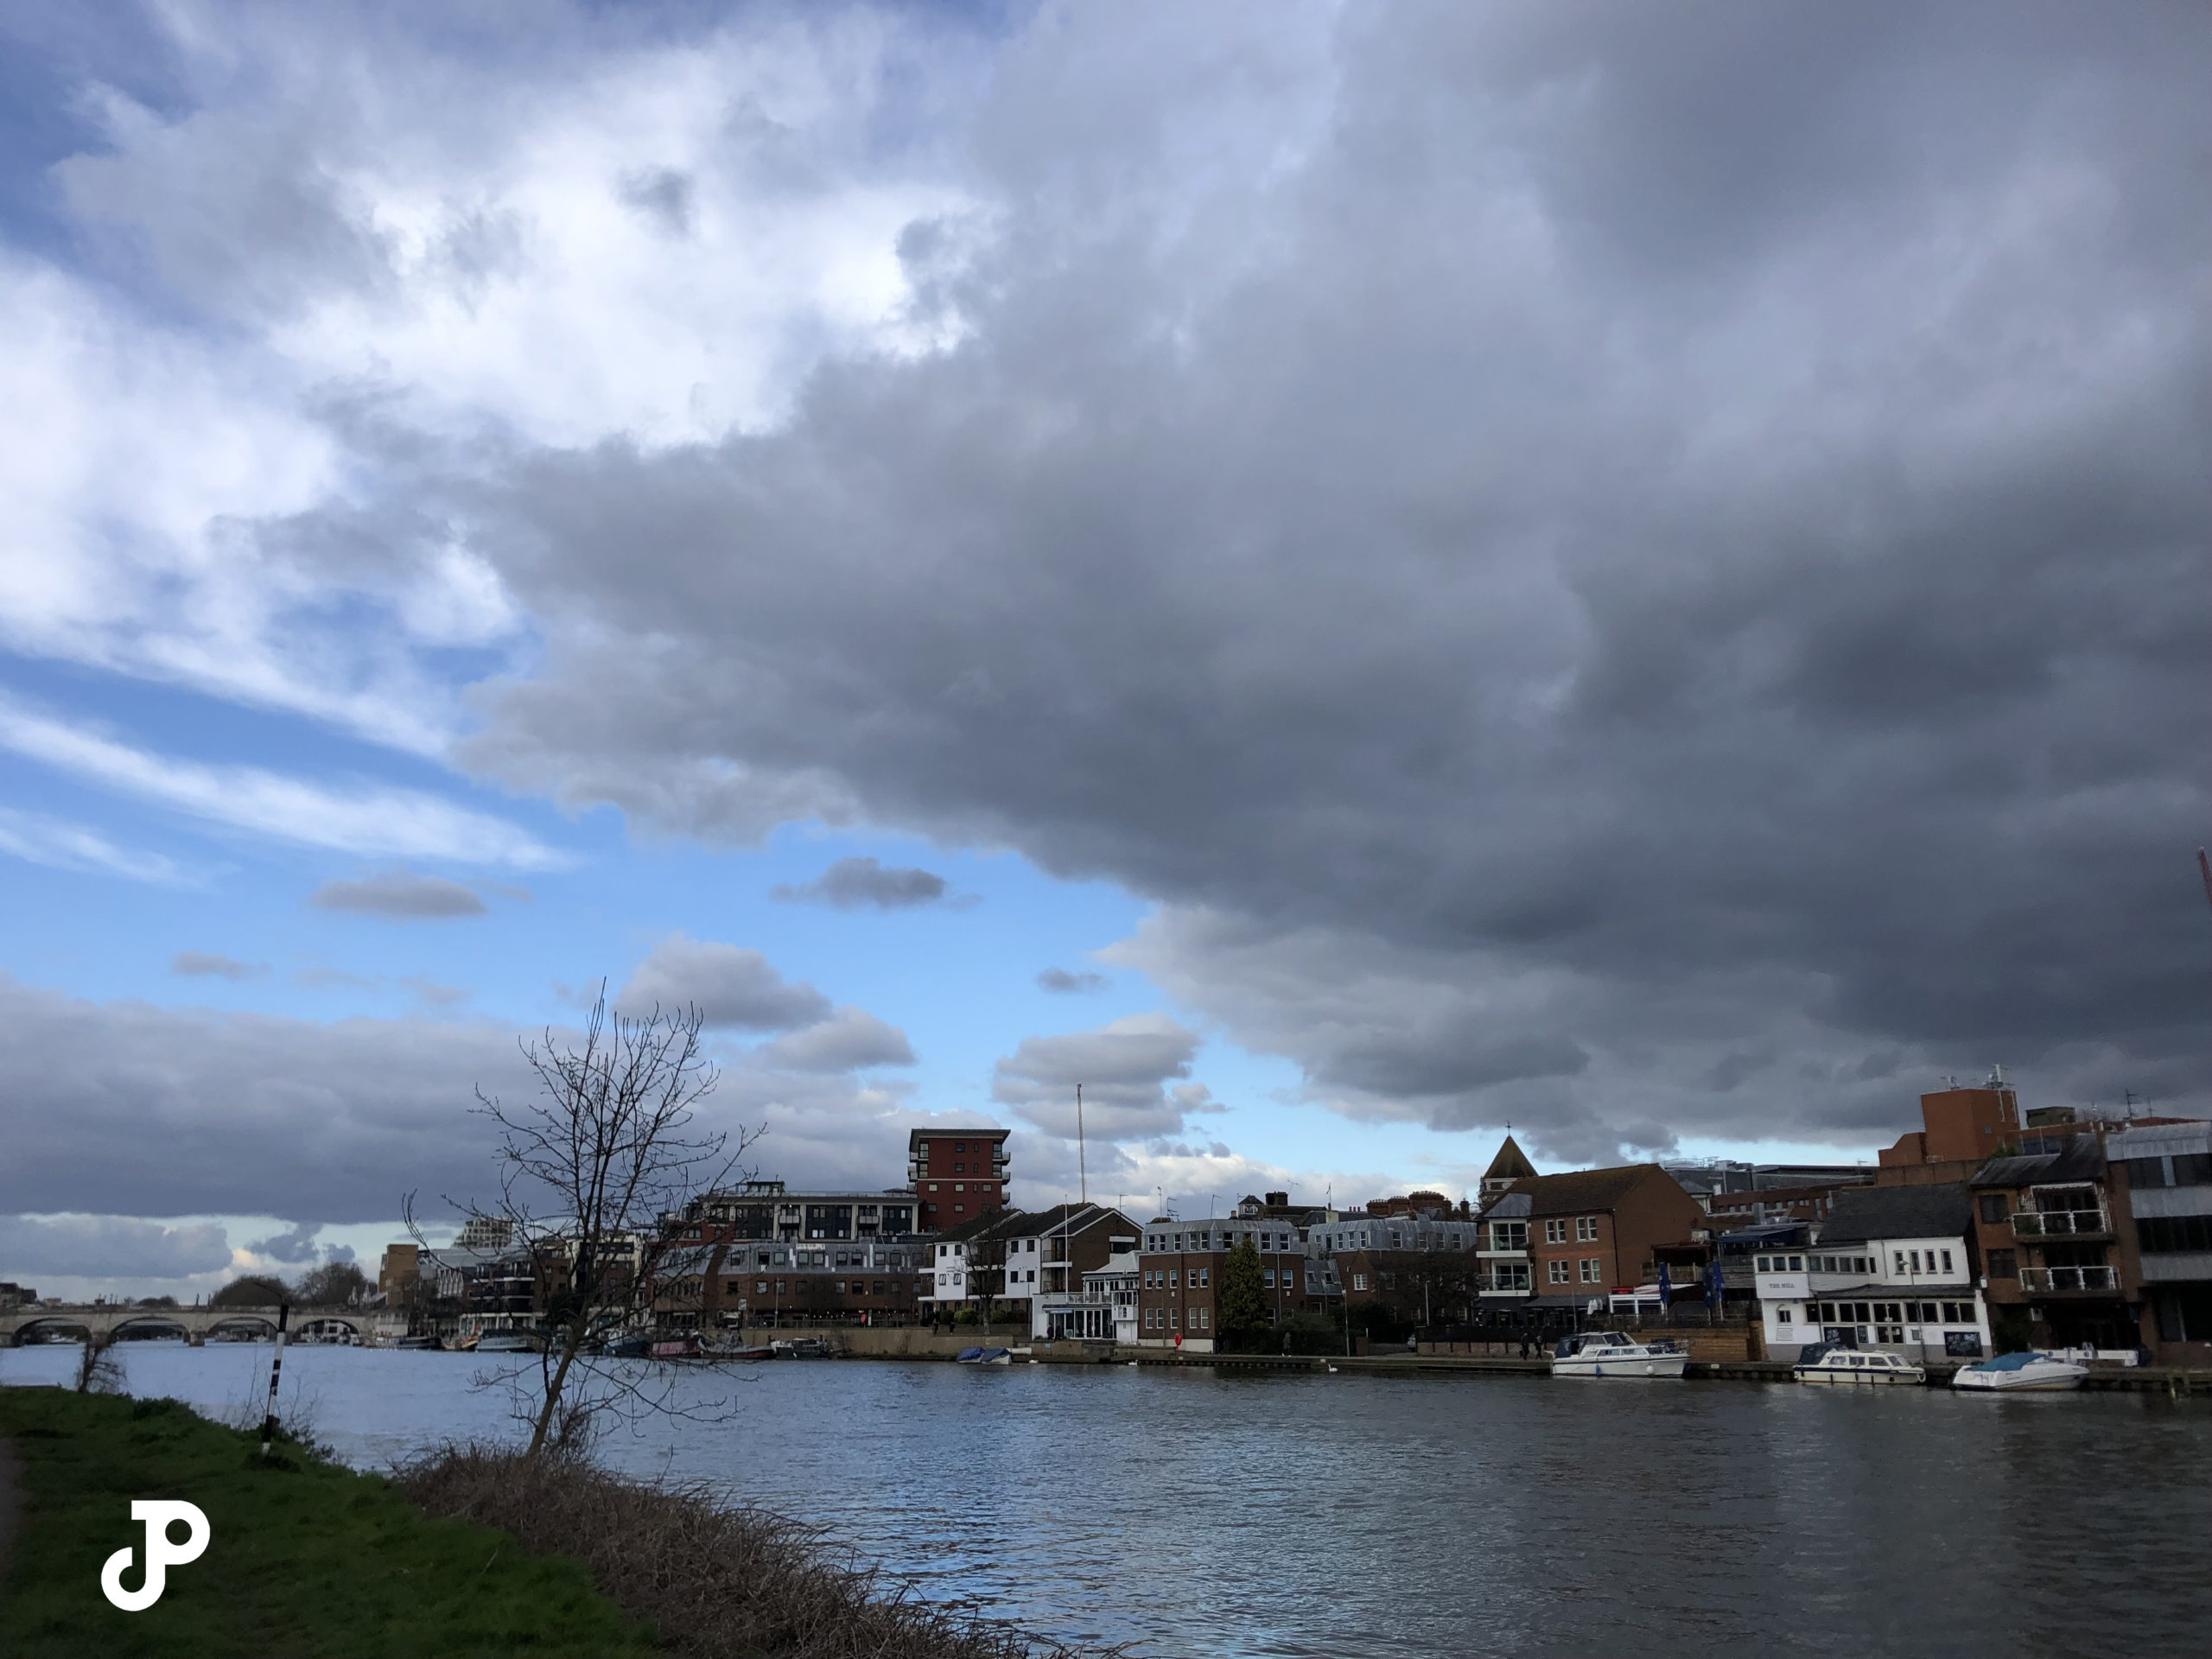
(308, 1559)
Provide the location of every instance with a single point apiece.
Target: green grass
(307, 1557)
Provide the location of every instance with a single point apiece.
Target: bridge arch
(151, 1328)
(242, 1327)
(58, 1327)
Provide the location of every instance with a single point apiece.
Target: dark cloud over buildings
(1642, 572)
(1644, 539)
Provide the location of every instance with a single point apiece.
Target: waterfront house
(1892, 1267)
(2054, 1256)
(1423, 1265)
(2165, 1171)
(1178, 1268)
(1593, 1231)
(1011, 1257)
(1103, 1306)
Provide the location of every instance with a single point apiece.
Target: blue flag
(1712, 1283)
(1666, 1285)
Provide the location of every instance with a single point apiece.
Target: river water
(1184, 1513)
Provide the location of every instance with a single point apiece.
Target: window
(1586, 1229)
(761, 1287)
(2004, 1264)
(1782, 1316)
(1171, 1277)
(779, 1287)
(1359, 1282)
(2165, 1234)
(1593, 1270)
(1993, 1207)
(879, 1287)
(1947, 1261)
(1205, 1319)
(1797, 1264)
(1268, 1278)
(1915, 1258)
(1508, 1234)
(960, 1146)
(1174, 1318)
(1555, 1232)
(1899, 1255)
(1205, 1275)
(1557, 1272)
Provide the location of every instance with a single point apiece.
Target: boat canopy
(2009, 1362)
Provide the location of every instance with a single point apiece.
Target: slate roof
(1511, 1162)
(2080, 1160)
(1863, 1215)
(1584, 1190)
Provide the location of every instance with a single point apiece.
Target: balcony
(2104, 1278)
(2062, 1224)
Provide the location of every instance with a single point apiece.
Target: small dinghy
(2028, 1373)
(984, 1357)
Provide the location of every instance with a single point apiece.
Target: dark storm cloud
(122, 1109)
(396, 895)
(858, 883)
(109, 1246)
(1699, 512)
(731, 987)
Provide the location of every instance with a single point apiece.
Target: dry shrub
(718, 1580)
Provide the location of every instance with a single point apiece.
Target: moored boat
(2023, 1373)
(1851, 1366)
(1615, 1353)
(712, 1350)
(984, 1356)
(507, 1342)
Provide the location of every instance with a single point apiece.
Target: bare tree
(591, 1170)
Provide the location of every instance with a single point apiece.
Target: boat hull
(1861, 1379)
(1640, 1366)
(2054, 1382)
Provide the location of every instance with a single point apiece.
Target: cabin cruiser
(508, 1342)
(1823, 1364)
(1614, 1353)
(2027, 1373)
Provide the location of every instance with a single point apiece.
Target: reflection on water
(1190, 1514)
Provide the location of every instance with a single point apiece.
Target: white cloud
(61, 845)
(370, 819)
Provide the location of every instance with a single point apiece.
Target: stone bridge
(23, 1325)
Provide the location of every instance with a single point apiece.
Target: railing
(2045, 1224)
(2049, 1279)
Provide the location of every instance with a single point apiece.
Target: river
(1184, 1513)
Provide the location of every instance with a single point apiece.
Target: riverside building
(956, 1175)
(1892, 1268)
(1179, 1272)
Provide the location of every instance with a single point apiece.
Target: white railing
(2070, 1278)
(2044, 1223)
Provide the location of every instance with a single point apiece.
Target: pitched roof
(2080, 1160)
(1864, 1214)
(1511, 1163)
(1585, 1189)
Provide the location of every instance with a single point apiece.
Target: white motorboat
(1614, 1353)
(2027, 1373)
(1851, 1366)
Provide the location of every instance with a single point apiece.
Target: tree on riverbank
(1241, 1298)
(589, 1171)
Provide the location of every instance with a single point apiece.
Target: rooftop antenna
(1081, 1168)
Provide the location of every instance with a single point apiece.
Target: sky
(1346, 576)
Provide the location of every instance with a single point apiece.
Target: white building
(1022, 1255)
(1892, 1267)
(1103, 1309)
